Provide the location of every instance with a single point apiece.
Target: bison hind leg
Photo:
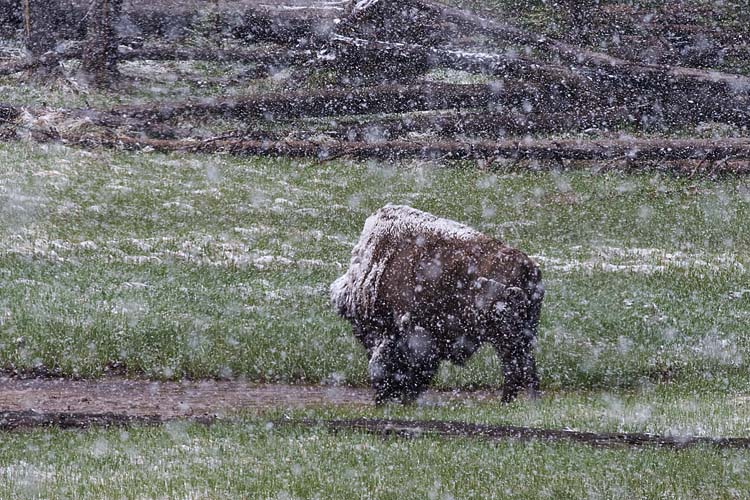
(461, 349)
(519, 363)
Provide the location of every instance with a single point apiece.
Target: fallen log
(337, 102)
(446, 125)
(448, 429)
(476, 62)
(481, 124)
(278, 57)
(31, 419)
(527, 149)
(612, 67)
(46, 60)
(266, 59)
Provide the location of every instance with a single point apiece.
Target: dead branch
(539, 149)
(418, 428)
(47, 60)
(31, 419)
(277, 57)
(337, 102)
(482, 124)
(477, 62)
(265, 58)
(19, 420)
(612, 67)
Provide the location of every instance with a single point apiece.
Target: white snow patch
(134, 285)
(48, 173)
(203, 250)
(267, 260)
(88, 245)
(639, 260)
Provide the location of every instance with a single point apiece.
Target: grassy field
(252, 458)
(172, 266)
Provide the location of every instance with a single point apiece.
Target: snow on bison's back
(421, 289)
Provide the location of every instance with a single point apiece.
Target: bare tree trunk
(40, 21)
(99, 60)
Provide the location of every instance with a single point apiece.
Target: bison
(421, 289)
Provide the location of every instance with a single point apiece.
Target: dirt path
(65, 403)
(166, 399)
(136, 398)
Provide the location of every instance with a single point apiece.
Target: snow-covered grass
(191, 265)
(141, 82)
(254, 459)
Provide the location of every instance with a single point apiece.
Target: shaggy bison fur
(421, 289)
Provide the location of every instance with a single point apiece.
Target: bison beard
(421, 289)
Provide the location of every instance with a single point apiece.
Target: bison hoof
(509, 396)
(534, 394)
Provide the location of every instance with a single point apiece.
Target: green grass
(253, 459)
(248, 456)
(674, 410)
(202, 266)
(141, 82)
(212, 266)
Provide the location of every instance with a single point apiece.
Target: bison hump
(386, 232)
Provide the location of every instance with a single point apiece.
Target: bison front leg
(382, 368)
(422, 362)
(519, 371)
(403, 365)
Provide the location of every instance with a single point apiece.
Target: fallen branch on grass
(263, 57)
(277, 105)
(337, 102)
(582, 56)
(537, 149)
(476, 62)
(17, 420)
(30, 419)
(480, 124)
(46, 60)
(447, 429)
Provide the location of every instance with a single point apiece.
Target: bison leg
(461, 349)
(517, 352)
(519, 371)
(530, 328)
(402, 365)
(382, 365)
(421, 362)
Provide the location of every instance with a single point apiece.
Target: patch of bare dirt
(79, 404)
(138, 398)
(166, 400)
